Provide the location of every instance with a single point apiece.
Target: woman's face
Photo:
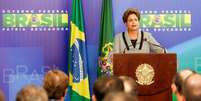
(132, 23)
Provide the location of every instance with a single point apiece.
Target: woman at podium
(134, 40)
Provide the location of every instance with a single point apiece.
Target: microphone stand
(156, 45)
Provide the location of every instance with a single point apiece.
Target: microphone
(153, 44)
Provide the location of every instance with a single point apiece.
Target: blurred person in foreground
(130, 85)
(55, 83)
(192, 88)
(32, 93)
(178, 82)
(2, 98)
(105, 85)
(119, 96)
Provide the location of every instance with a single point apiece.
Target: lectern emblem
(145, 74)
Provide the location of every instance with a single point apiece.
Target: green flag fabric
(78, 75)
(174, 97)
(106, 39)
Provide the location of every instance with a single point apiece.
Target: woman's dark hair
(129, 12)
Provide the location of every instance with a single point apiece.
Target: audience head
(2, 96)
(105, 85)
(119, 96)
(130, 85)
(178, 82)
(179, 79)
(55, 83)
(192, 88)
(32, 93)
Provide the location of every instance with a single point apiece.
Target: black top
(134, 42)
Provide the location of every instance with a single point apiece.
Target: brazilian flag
(78, 75)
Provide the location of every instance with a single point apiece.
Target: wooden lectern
(153, 73)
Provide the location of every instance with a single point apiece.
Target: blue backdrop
(33, 39)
